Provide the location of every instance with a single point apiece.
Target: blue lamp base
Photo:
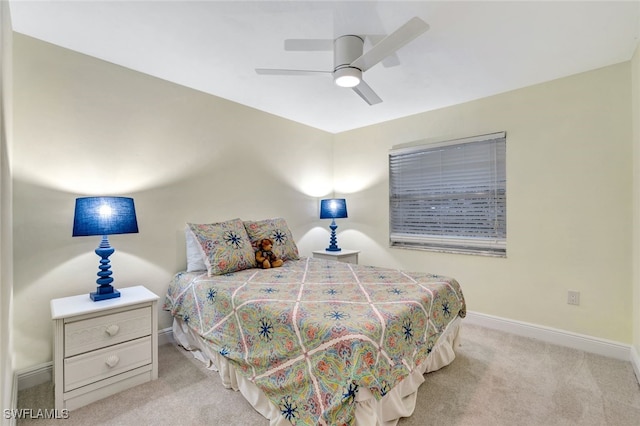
(105, 289)
(104, 292)
(333, 241)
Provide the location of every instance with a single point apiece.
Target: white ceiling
(473, 49)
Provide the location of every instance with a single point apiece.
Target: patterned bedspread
(311, 333)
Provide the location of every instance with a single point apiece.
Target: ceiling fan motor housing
(347, 49)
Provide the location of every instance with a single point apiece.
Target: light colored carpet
(496, 379)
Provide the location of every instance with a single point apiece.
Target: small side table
(101, 348)
(346, 256)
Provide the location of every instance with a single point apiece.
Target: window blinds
(450, 196)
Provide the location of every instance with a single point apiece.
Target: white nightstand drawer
(94, 333)
(88, 368)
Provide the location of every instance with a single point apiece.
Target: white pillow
(195, 261)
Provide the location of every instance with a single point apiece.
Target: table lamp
(104, 216)
(333, 208)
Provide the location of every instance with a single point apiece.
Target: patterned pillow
(225, 246)
(283, 245)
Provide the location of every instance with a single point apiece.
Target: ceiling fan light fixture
(347, 77)
(350, 60)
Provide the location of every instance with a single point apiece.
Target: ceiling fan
(349, 61)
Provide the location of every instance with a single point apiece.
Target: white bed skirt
(398, 402)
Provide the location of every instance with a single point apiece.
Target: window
(450, 196)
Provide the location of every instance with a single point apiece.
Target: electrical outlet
(573, 297)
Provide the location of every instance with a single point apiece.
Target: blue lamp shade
(104, 216)
(333, 208)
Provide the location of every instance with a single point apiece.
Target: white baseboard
(635, 362)
(14, 399)
(555, 336)
(34, 376)
(43, 373)
(165, 336)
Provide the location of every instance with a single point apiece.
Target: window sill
(451, 250)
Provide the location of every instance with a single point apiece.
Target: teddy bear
(265, 256)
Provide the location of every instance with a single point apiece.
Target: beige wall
(569, 176)
(635, 68)
(87, 127)
(6, 239)
(84, 126)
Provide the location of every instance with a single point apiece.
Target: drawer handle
(112, 360)
(112, 330)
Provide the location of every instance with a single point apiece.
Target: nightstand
(347, 256)
(101, 348)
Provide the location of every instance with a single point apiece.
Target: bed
(317, 341)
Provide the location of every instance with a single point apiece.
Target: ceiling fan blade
(276, 71)
(367, 93)
(308, 45)
(394, 41)
(390, 61)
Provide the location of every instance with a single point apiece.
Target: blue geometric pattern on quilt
(313, 332)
